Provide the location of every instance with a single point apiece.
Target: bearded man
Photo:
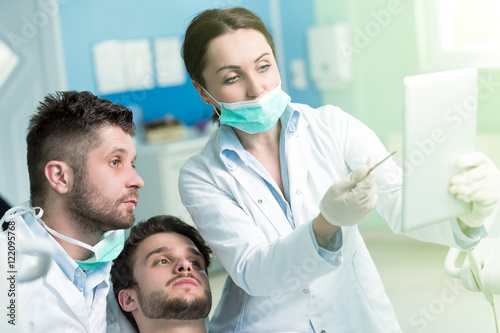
(83, 193)
(160, 279)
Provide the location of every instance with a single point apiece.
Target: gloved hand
(478, 184)
(351, 200)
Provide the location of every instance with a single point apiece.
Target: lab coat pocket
(369, 286)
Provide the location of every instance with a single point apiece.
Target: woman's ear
(127, 298)
(59, 175)
(203, 95)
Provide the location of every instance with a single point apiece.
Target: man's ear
(127, 298)
(59, 176)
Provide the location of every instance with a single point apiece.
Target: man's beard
(94, 212)
(159, 305)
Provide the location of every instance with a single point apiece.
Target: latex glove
(351, 200)
(478, 184)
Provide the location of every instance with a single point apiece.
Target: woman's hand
(479, 184)
(350, 201)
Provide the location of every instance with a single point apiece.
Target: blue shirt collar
(64, 261)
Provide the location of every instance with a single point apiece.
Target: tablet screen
(439, 125)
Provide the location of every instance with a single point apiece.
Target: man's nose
(136, 180)
(184, 266)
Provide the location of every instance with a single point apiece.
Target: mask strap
(16, 211)
(213, 106)
(215, 109)
(66, 238)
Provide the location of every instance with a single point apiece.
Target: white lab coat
(278, 282)
(53, 303)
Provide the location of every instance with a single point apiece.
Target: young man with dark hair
(84, 190)
(160, 278)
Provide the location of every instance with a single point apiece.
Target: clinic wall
(489, 101)
(382, 49)
(84, 23)
(296, 17)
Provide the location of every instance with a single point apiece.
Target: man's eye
(115, 162)
(162, 262)
(195, 263)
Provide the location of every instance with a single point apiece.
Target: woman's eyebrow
(237, 67)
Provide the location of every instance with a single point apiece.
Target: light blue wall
(296, 16)
(84, 23)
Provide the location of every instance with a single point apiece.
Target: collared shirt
(231, 149)
(85, 281)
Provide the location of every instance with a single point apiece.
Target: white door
(31, 44)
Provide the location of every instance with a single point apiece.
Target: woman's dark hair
(211, 24)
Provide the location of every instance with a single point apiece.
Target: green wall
(383, 48)
(383, 51)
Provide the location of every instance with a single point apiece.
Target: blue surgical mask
(254, 116)
(108, 248)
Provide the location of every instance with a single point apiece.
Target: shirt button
(323, 331)
(292, 129)
(259, 201)
(305, 291)
(299, 192)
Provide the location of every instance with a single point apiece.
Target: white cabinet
(159, 165)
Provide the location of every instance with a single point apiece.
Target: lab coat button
(259, 201)
(305, 291)
(323, 331)
(299, 192)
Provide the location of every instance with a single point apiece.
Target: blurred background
(350, 53)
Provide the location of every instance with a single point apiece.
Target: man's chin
(127, 219)
(187, 294)
(125, 223)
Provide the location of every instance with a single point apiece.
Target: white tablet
(439, 125)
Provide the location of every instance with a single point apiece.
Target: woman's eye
(264, 68)
(232, 79)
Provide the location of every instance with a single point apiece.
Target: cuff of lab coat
(466, 238)
(331, 253)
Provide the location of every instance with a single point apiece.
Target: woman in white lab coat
(261, 193)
